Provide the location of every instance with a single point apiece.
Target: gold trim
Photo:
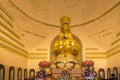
(103, 53)
(91, 48)
(9, 30)
(95, 57)
(116, 41)
(96, 53)
(41, 49)
(12, 44)
(110, 53)
(6, 21)
(6, 13)
(4, 46)
(38, 53)
(37, 58)
(113, 49)
(114, 53)
(11, 37)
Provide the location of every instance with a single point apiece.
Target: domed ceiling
(94, 22)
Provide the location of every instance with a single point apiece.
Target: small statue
(65, 75)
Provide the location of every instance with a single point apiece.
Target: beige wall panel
(12, 59)
(114, 61)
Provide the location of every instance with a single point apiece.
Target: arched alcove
(32, 74)
(101, 73)
(19, 74)
(2, 72)
(115, 71)
(11, 73)
(25, 73)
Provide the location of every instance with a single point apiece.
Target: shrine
(59, 39)
(66, 57)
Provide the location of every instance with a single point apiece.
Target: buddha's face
(67, 65)
(66, 60)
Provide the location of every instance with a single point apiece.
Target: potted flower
(41, 75)
(44, 64)
(89, 73)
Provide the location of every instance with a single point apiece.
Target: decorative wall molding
(95, 55)
(91, 57)
(10, 37)
(6, 47)
(4, 19)
(116, 52)
(28, 56)
(103, 55)
(38, 54)
(91, 48)
(9, 30)
(113, 51)
(12, 44)
(116, 41)
(6, 13)
(41, 49)
(45, 58)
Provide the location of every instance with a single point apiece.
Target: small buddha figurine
(65, 75)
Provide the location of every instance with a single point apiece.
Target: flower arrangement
(41, 75)
(44, 64)
(89, 73)
(87, 63)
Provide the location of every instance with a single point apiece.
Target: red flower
(87, 63)
(44, 64)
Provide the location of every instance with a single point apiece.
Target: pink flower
(87, 63)
(44, 64)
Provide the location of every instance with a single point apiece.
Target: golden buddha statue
(66, 49)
